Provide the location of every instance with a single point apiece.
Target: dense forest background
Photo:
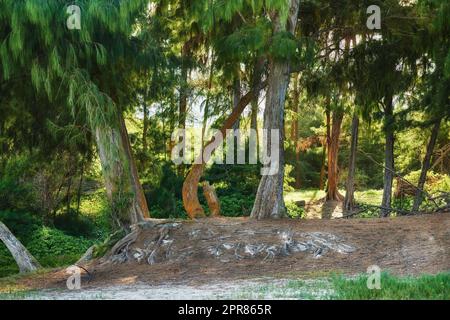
(100, 104)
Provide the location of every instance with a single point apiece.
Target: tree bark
(349, 200)
(123, 188)
(388, 157)
(211, 198)
(23, 258)
(426, 166)
(333, 153)
(269, 202)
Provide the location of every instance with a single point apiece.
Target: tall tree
(269, 202)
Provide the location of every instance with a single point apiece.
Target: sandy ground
(211, 258)
(262, 288)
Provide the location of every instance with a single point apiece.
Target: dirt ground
(197, 253)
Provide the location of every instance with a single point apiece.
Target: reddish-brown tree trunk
(333, 153)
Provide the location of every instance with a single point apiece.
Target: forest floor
(216, 257)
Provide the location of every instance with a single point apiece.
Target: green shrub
(15, 191)
(74, 224)
(52, 242)
(294, 211)
(236, 205)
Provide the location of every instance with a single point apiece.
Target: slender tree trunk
(333, 155)
(23, 258)
(322, 168)
(325, 146)
(349, 200)
(388, 157)
(426, 166)
(123, 188)
(269, 202)
(295, 133)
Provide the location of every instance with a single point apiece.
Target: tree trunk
(190, 185)
(123, 188)
(23, 258)
(211, 198)
(426, 166)
(269, 202)
(349, 200)
(322, 168)
(295, 133)
(325, 146)
(333, 153)
(388, 157)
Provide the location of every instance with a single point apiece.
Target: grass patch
(425, 287)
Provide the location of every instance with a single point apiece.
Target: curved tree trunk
(269, 202)
(190, 186)
(388, 157)
(23, 258)
(211, 199)
(123, 188)
(426, 166)
(333, 153)
(349, 200)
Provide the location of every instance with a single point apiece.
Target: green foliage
(236, 205)
(426, 287)
(294, 211)
(14, 191)
(51, 247)
(164, 195)
(75, 224)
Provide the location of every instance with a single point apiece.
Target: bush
(51, 247)
(236, 205)
(294, 211)
(74, 224)
(47, 242)
(15, 192)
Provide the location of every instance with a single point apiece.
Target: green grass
(425, 287)
(308, 195)
(370, 196)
